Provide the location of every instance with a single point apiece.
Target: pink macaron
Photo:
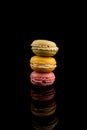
(42, 79)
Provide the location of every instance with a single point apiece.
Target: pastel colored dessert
(44, 48)
(43, 112)
(42, 94)
(42, 79)
(45, 124)
(43, 64)
(33, 86)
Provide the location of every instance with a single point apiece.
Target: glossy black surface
(17, 98)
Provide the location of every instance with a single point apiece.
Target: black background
(20, 30)
(20, 25)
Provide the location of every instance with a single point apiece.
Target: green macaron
(44, 48)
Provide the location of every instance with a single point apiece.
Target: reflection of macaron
(43, 64)
(44, 124)
(43, 94)
(43, 104)
(43, 112)
(44, 48)
(42, 79)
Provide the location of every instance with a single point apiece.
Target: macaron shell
(42, 60)
(42, 79)
(43, 43)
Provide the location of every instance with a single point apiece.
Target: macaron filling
(43, 65)
(45, 49)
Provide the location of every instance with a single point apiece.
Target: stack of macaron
(42, 78)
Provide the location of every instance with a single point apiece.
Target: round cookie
(44, 48)
(43, 64)
(42, 79)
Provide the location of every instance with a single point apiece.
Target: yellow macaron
(43, 64)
